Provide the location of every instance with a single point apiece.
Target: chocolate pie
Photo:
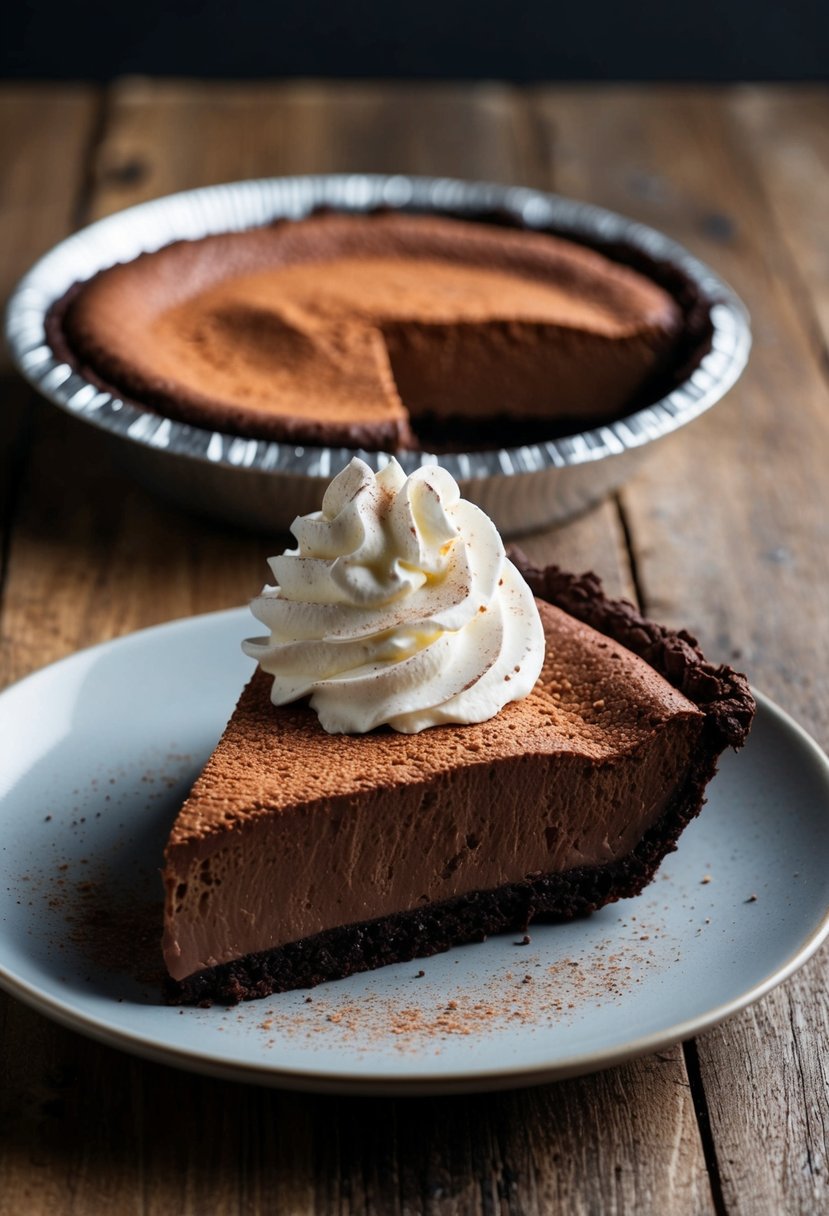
(373, 330)
(302, 856)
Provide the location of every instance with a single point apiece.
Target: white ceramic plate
(97, 753)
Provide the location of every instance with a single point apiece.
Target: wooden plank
(96, 1132)
(258, 130)
(579, 1147)
(729, 525)
(766, 1080)
(93, 557)
(38, 195)
(38, 198)
(787, 131)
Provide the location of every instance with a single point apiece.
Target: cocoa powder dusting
(114, 931)
(117, 936)
(98, 876)
(544, 994)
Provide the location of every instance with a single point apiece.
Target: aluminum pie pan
(263, 484)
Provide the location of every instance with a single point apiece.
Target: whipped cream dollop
(398, 607)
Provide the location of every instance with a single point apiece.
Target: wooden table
(726, 532)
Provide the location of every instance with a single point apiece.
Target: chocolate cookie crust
(720, 691)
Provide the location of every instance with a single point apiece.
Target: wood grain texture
(788, 134)
(258, 130)
(45, 133)
(38, 196)
(91, 1131)
(730, 525)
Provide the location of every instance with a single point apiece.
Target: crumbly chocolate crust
(720, 692)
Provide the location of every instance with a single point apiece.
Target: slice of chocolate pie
(303, 855)
(361, 329)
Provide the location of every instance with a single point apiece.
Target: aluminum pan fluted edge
(240, 205)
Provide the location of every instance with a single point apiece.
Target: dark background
(521, 41)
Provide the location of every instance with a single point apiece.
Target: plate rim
(343, 1081)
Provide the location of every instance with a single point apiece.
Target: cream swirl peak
(398, 607)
